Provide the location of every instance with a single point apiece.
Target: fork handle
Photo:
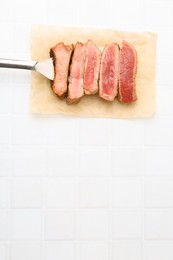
(17, 64)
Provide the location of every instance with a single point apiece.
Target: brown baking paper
(44, 101)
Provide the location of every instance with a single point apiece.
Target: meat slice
(109, 71)
(76, 85)
(128, 67)
(92, 67)
(61, 55)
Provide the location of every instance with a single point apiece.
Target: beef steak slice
(128, 67)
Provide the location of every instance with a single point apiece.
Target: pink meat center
(91, 64)
(108, 71)
(127, 62)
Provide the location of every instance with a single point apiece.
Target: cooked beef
(61, 55)
(90, 71)
(128, 66)
(109, 71)
(92, 67)
(76, 84)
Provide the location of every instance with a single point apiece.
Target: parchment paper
(44, 101)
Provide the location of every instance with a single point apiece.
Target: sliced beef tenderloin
(92, 68)
(128, 67)
(109, 71)
(61, 55)
(76, 84)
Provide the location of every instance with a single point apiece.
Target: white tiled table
(77, 188)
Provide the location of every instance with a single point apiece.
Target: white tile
(5, 74)
(93, 225)
(20, 77)
(32, 11)
(18, 30)
(159, 132)
(5, 130)
(5, 99)
(4, 191)
(3, 226)
(126, 192)
(61, 162)
(164, 99)
(94, 162)
(26, 193)
(60, 193)
(21, 96)
(126, 225)
(164, 72)
(27, 130)
(59, 225)
(96, 20)
(93, 192)
(159, 225)
(93, 251)
(63, 251)
(61, 131)
(3, 252)
(93, 131)
(123, 250)
(25, 225)
(127, 162)
(28, 251)
(159, 161)
(154, 10)
(27, 161)
(164, 47)
(127, 132)
(4, 161)
(159, 250)
(159, 192)
(66, 15)
(126, 17)
(92, 22)
(6, 32)
(6, 10)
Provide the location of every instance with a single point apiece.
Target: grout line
(9, 224)
(143, 195)
(109, 178)
(10, 147)
(43, 206)
(77, 191)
